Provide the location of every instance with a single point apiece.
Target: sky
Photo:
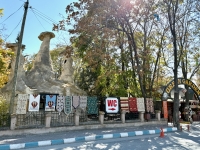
(40, 18)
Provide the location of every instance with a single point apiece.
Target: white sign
(112, 105)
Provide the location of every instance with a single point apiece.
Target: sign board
(112, 105)
(187, 82)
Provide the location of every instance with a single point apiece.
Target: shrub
(4, 112)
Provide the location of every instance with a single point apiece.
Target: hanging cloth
(92, 105)
(132, 104)
(149, 105)
(83, 102)
(50, 102)
(60, 103)
(124, 104)
(140, 104)
(75, 101)
(22, 103)
(34, 102)
(68, 105)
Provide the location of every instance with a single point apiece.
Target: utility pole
(17, 58)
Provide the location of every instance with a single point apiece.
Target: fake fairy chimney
(67, 72)
(41, 77)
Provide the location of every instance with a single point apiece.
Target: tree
(129, 44)
(5, 58)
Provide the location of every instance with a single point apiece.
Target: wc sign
(112, 105)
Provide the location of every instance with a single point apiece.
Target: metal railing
(4, 121)
(31, 120)
(61, 119)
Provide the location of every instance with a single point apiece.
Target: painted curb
(84, 139)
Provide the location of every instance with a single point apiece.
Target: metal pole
(17, 58)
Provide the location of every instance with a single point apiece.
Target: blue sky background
(49, 8)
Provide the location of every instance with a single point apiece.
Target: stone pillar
(101, 117)
(141, 116)
(48, 120)
(76, 118)
(14, 48)
(158, 114)
(43, 58)
(123, 112)
(13, 121)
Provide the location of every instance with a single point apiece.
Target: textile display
(68, 105)
(83, 102)
(92, 105)
(75, 101)
(60, 103)
(50, 103)
(34, 102)
(124, 103)
(22, 103)
(132, 104)
(140, 104)
(149, 105)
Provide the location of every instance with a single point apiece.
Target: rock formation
(41, 78)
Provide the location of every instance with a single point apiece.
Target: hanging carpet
(50, 102)
(140, 104)
(149, 105)
(68, 105)
(92, 105)
(83, 102)
(34, 102)
(124, 103)
(22, 103)
(132, 104)
(60, 103)
(75, 101)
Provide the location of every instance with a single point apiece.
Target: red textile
(132, 104)
(124, 103)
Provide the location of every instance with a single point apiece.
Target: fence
(4, 121)
(38, 119)
(31, 120)
(61, 119)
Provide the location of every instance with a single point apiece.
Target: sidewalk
(30, 138)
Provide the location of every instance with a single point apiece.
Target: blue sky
(35, 24)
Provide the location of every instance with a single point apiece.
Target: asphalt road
(171, 141)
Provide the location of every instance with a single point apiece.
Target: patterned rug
(124, 103)
(68, 105)
(60, 103)
(92, 107)
(149, 105)
(75, 101)
(140, 104)
(50, 102)
(22, 103)
(132, 104)
(83, 102)
(34, 102)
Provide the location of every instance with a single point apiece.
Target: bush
(4, 112)
(4, 106)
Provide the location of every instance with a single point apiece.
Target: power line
(36, 13)
(38, 19)
(13, 30)
(11, 14)
(43, 15)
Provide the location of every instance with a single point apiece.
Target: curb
(84, 138)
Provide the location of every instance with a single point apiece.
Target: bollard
(188, 127)
(181, 128)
